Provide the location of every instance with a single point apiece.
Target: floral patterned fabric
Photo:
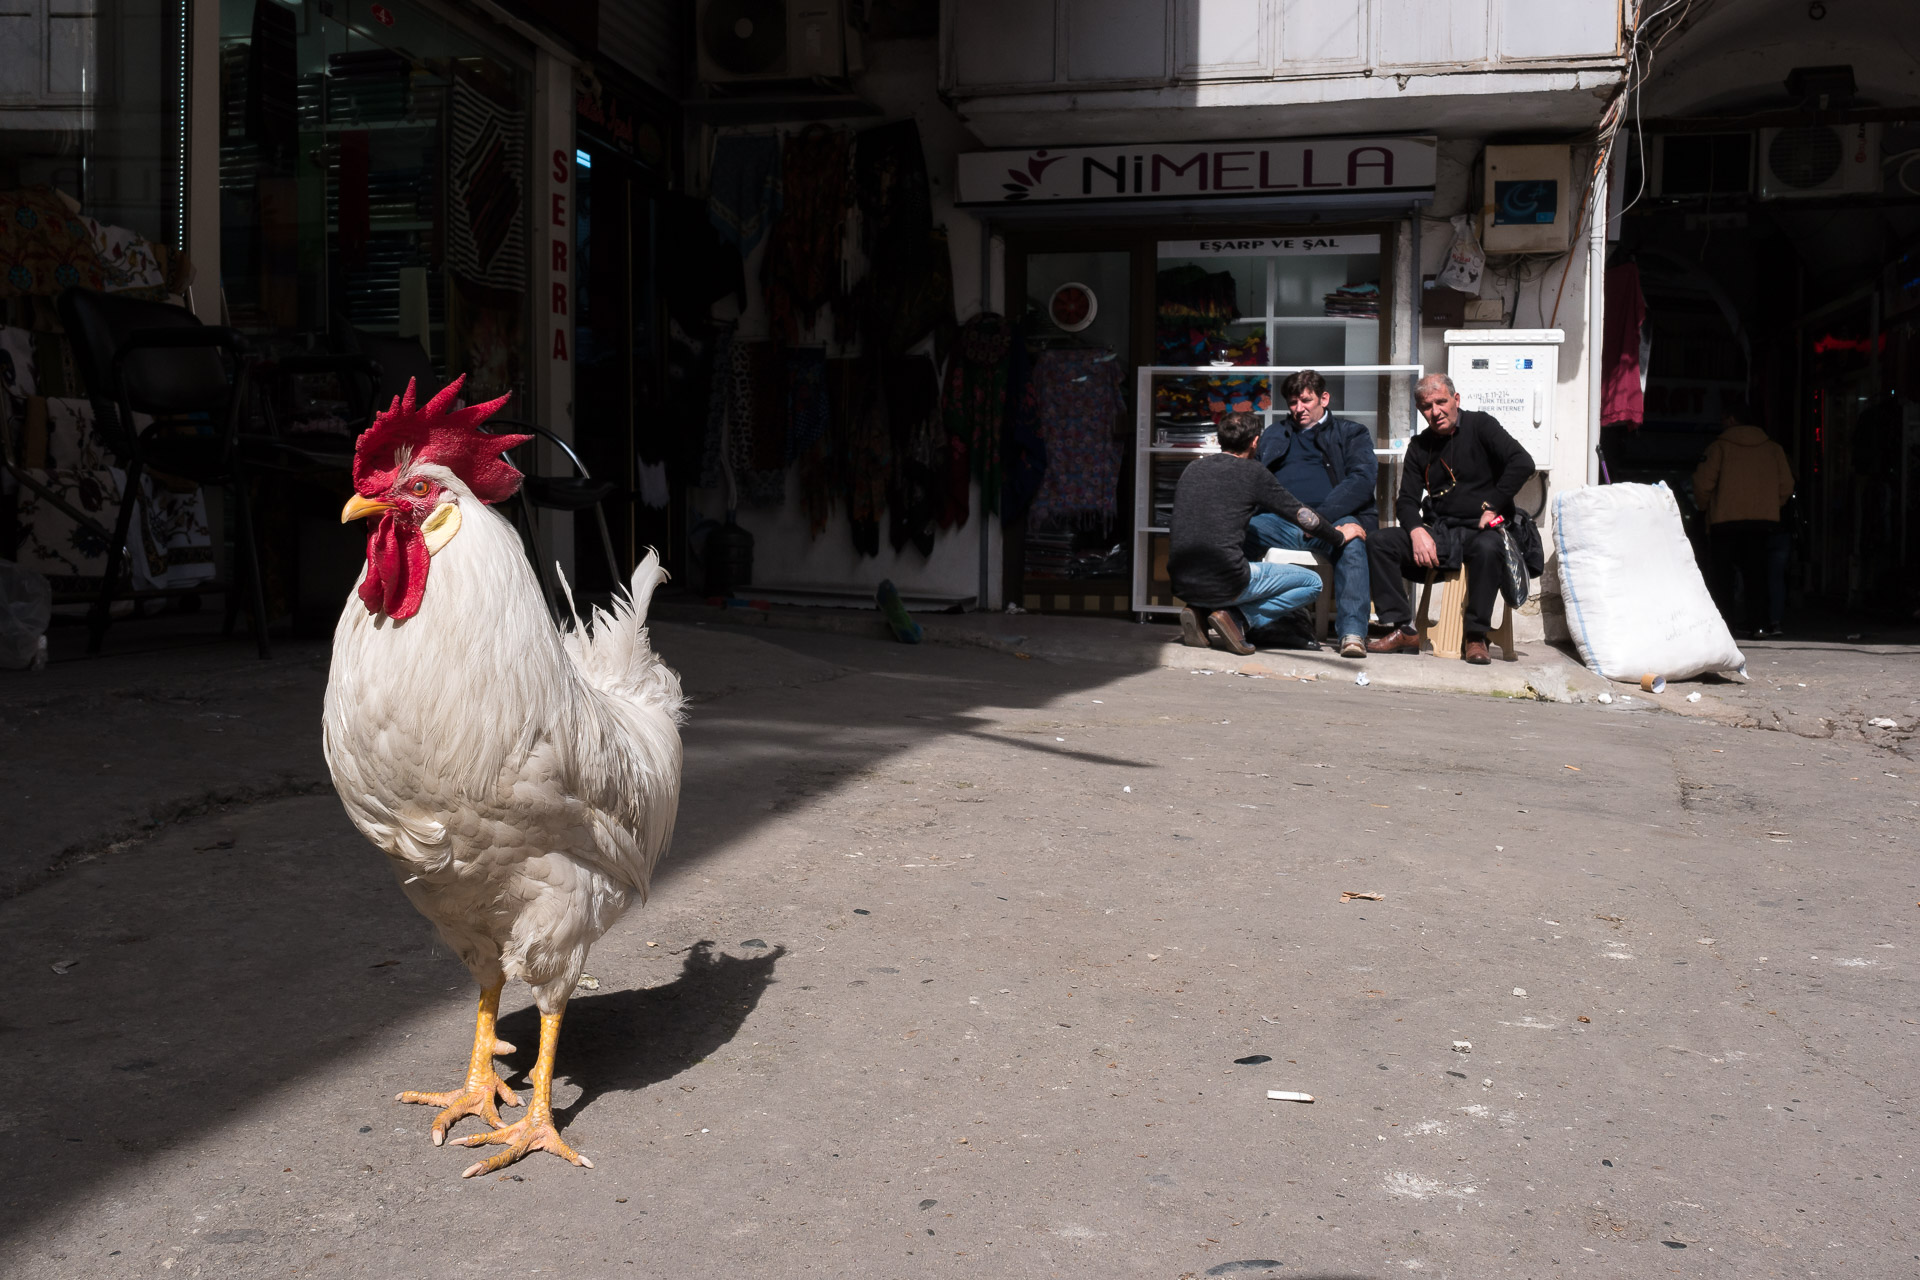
(756, 423)
(172, 545)
(44, 248)
(127, 259)
(1080, 399)
(16, 372)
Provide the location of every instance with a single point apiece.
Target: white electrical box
(1510, 373)
(1527, 199)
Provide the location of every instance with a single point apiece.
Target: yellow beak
(358, 508)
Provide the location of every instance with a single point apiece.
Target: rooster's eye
(418, 488)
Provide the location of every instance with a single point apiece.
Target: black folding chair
(158, 359)
(557, 493)
(319, 457)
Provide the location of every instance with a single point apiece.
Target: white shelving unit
(1151, 593)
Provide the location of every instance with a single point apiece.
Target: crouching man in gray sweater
(1216, 496)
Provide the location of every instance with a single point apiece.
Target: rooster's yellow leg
(533, 1131)
(475, 1098)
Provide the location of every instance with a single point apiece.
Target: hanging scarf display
(868, 455)
(719, 389)
(908, 289)
(802, 269)
(918, 440)
(809, 421)
(807, 412)
(973, 406)
(756, 423)
(822, 465)
(1080, 404)
(743, 190)
(1023, 450)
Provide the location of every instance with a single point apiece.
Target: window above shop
(1041, 45)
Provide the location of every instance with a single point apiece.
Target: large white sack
(1636, 603)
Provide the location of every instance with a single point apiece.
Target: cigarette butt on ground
(1281, 1095)
(1351, 895)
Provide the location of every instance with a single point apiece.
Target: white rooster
(521, 780)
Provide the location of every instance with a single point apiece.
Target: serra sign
(1216, 170)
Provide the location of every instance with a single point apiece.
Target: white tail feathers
(647, 577)
(613, 655)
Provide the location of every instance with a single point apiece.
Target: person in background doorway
(1456, 489)
(1741, 484)
(1329, 464)
(1216, 497)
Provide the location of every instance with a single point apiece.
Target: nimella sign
(1188, 171)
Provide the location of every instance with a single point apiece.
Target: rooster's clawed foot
(529, 1133)
(475, 1098)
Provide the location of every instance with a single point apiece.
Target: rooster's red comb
(449, 438)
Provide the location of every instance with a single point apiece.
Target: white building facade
(1211, 134)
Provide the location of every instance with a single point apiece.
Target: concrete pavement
(951, 969)
(1538, 670)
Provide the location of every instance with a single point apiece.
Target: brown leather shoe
(1228, 626)
(1475, 651)
(1193, 629)
(1395, 641)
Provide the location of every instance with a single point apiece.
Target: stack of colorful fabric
(1355, 300)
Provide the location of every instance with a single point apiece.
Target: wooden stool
(1323, 608)
(1449, 629)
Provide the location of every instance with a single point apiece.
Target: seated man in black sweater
(1206, 559)
(1468, 468)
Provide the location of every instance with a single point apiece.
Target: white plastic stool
(1323, 608)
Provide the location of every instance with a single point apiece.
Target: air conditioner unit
(741, 41)
(1819, 160)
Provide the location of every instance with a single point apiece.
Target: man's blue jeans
(1352, 589)
(1275, 590)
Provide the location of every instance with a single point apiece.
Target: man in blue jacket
(1329, 464)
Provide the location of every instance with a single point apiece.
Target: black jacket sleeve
(1274, 496)
(1413, 468)
(1509, 460)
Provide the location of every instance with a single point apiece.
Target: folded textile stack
(1049, 555)
(1355, 300)
(1166, 478)
(1181, 399)
(1238, 395)
(1171, 433)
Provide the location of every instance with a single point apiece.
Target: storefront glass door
(1073, 550)
(617, 352)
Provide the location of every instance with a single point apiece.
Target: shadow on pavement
(620, 1041)
(252, 946)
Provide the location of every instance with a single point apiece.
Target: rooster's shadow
(621, 1041)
